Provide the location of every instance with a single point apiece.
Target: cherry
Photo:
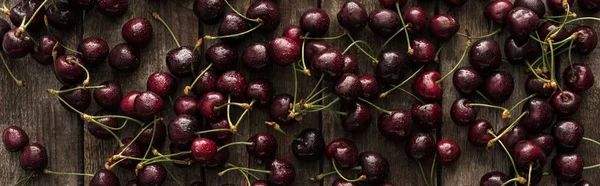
(220, 158)
(79, 98)
(315, 22)
(268, 13)
(310, 145)
(314, 47)
(16, 46)
(284, 51)
(391, 3)
(123, 57)
(499, 86)
(182, 131)
(536, 6)
(161, 83)
(265, 146)
(342, 182)
(26, 9)
(428, 116)
(420, 146)
(182, 61)
(148, 104)
(556, 6)
(443, 26)
(203, 150)
(294, 32)
(260, 183)
(261, 91)
(152, 175)
(256, 56)
(565, 102)
(222, 56)
(61, 16)
(207, 104)
(579, 78)
(330, 62)
(14, 138)
(69, 70)
(42, 53)
(485, 55)
(586, 41)
(497, 11)
(186, 105)
(478, 135)
(99, 132)
(132, 149)
(426, 86)
(466, 80)
(583, 182)
(209, 12)
(391, 67)
(221, 136)
(384, 22)
(545, 141)
(567, 167)
(568, 134)
(547, 27)
(348, 87)
(417, 18)
(232, 83)
(104, 178)
(94, 50)
(455, 3)
(395, 125)
(494, 178)
(350, 64)
(374, 166)
(137, 31)
(282, 172)
(352, 16)
(155, 134)
(447, 151)
(343, 152)
(369, 86)
(461, 114)
(112, 8)
(82, 4)
(521, 22)
(127, 105)
(424, 51)
(33, 157)
(513, 136)
(533, 85)
(517, 51)
(539, 116)
(280, 109)
(206, 83)
(232, 24)
(358, 118)
(526, 153)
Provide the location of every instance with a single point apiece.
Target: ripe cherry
(427, 87)
(330, 62)
(152, 175)
(358, 117)
(161, 83)
(348, 87)
(256, 56)
(207, 104)
(14, 138)
(282, 172)
(268, 13)
(112, 8)
(68, 69)
(16, 46)
(462, 114)
(556, 6)
(132, 150)
(565, 102)
(209, 12)
(536, 6)
(369, 86)
(222, 56)
(478, 135)
(579, 78)
(424, 51)
(395, 125)
(260, 183)
(42, 52)
(545, 141)
(420, 146)
(220, 159)
(567, 167)
(547, 27)
(26, 9)
(293, 32)
(374, 166)
(123, 57)
(187, 105)
(352, 16)
(104, 178)
(526, 153)
(313, 47)
(206, 83)
(315, 21)
(182, 131)
(232, 83)
(513, 136)
(428, 116)
(148, 104)
(232, 24)
(447, 151)
(497, 11)
(533, 85)
(350, 64)
(443, 26)
(280, 109)
(61, 16)
(343, 152)
(517, 51)
(260, 91)
(586, 41)
(79, 98)
(485, 55)
(391, 67)
(567, 133)
(539, 116)
(499, 86)
(384, 22)
(94, 50)
(521, 22)
(284, 51)
(342, 182)
(203, 150)
(417, 18)
(182, 61)
(309, 146)
(33, 157)
(127, 105)
(264, 148)
(536, 175)
(466, 80)
(494, 178)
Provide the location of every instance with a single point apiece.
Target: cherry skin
(203, 150)
(536, 6)
(384, 22)
(417, 18)
(392, 3)
(284, 51)
(222, 56)
(282, 172)
(358, 118)
(466, 80)
(79, 99)
(209, 12)
(420, 146)
(447, 151)
(521, 22)
(61, 16)
(347, 87)
(374, 166)
(395, 126)
(132, 150)
(579, 80)
(256, 56)
(99, 132)
(220, 159)
(33, 157)
(161, 83)
(499, 86)
(232, 24)
(127, 105)
(261, 91)
(16, 46)
(461, 114)
(148, 104)
(182, 130)
(293, 32)
(424, 51)
(156, 134)
(545, 141)
(330, 61)
(14, 138)
(187, 105)
(182, 61)
(310, 146)
(428, 116)
(68, 71)
(585, 42)
(369, 86)
(494, 178)
(267, 11)
(26, 9)
(123, 57)
(391, 67)
(206, 83)
(497, 10)
(112, 8)
(443, 26)
(478, 135)
(426, 86)
(152, 175)
(280, 109)
(513, 136)
(222, 136)
(314, 47)
(343, 152)
(94, 50)
(42, 53)
(104, 178)
(533, 85)
(556, 6)
(207, 104)
(547, 27)
(517, 51)
(82, 4)
(526, 153)
(539, 116)
(485, 55)
(567, 167)
(352, 16)
(342, 182)
(264, 148)
(568, 134)
(350, 64)
(565, 102)
(232, 83)
(315, 21)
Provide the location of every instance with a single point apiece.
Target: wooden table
(71, 148)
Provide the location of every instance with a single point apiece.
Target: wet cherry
(485, 55)
(181, 131)
(499, 86)
(539, 116)
(567, 133)
(209, 12)
(526, 153)
(310, 145)
(261, 91)
(343, 151)
(374, 166)
(152, 175)
(395, 126)
(222, 56)
(497, 11)
(94, 50)
(536, 6)
(284, 51)
(14, 138)
(565, 102)
(148, 104)
(264, 148)
(352, 16)
(426, 86)
(521, 22)
(391, 67)
(123, 57)
(42, 52)
(417, 18)
(447, 151)
(420, 146)
(477, 133)
(462, 114)
(384, 22)
(315, 21)
(443, 26)
(161, 83)
(358, 117)
(267, 11)
(112, 8)
(369, 86)
(494, 178)
(33, 157)
(428, 116)
(207, 104)
(256, 56)
(203, 150)
(567, 167)
(466, 80)
(104, 177)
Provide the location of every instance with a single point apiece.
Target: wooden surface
(71, 148)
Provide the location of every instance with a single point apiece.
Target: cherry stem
(213, 130)
(19, 83)
(375, 106)
(116, 116)
(392, 37)
(22, 27)
(432, 169)
(241, 105)
(508, 182)
(87, 73)
(534, 72)
(512, 161)
(355, 43)
(304, 69)
(257, 20)
(410, 50)
(312, 93)
(552, 67)
(173, 177)
(208, 37)
(437, 54)
(423, 174)
(235, 143)
(231, 126)
(296, 81)
(157, 17)
(360, 178)
(508, 129)
(411, 95)
(591, 140)
(325, 174)
(581, 19)
(375, 61)
(480, 37)
(151, 139)
(23, 181)
(243, 114)
(521, 102)
(320, 108)
(109, 130)
(135, 138)
(46, 171)
(187, 89)
(4, 8)
(325, 38)
(277, 128)
(383, 95)
(243, 168)
(505, 112)
(591, 166)
(249, 173)
(65, 102)
(466, 49)
(529, 175)
(74, 89)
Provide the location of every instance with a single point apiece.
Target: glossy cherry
(526, 153)
(186, 105)
(428, 116)
(426, 86)
(221, 136)
(61, 16)
(369, 86)
(26, 9)
(357, 118)
(513, 136)
(260, 183)
(280, 109)
(567, 133)
(424, 51)
(565, 102)
(42, 53)
(485, 55)
(14, 138)
(539, 116)
(282, 172)
(586, 41)
(104, 177)
(443, 26)
(391, 67)
(330, 62)
(148, 104)
(395, 126)
(203, 150)
(207, 83)
(16, 46)
(556, 6)
(112, 8)
(547, 27)
(220, 159)
(284, 51)
(533, 85)
(343, 151)
(497, 11)
(209, 12)
(133, 150)
(567, 167)
(94, 50)
(314, 47)
(352, 16)
(256, 56)
(579, 79)
(462, 114)
(350, 64)
(182, 61)
(265, 146)
(447, 151)
(127, 105)
(207, 104)
(161, 83)
(518, 51)
(545, 141)
(232, 24)
(123, 57)
(466, 80)
(494, 178)
(499, 86)
(181, 131)
(537, 6)
(420, 146)
(33, 157)
(222, 56)
(232, 83)
(310, 145)
(261, 91)
(293, 32)
(342, 182)
(267, 11)
(477, 133)
(521, 22)
(384, 22)
(67, 69)
(347, 87)
(79, 99)
(315, 21)
(417, 18)
(152, 175)
(374, 166)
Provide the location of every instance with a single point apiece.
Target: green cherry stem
(483, 96)
(325, 174)
(187, 89)
(383, 95)
(235, 143)
(360, 178)
(243, 168)
(480, 37)
(505, 112)
(243, 114)
(296, 86)
(529, 175)
(257, 20)
(87, 73)
(521, 102)
(432, 169)
(208, 37)
(229, 114)
(151, 139)
(375, 106)
(508, 129)
(304, 69)
(23, 27)
(47, 171)
(355, 43)
(591, 140)
(116, 116)
(241, 105)
(582, 19)
(591, 167)
(375, 61)
(423, 174)
(19, 83)
(325, 38)
(312, 92)
(173, 177)
(512, 161)
(249, 173)
(465, 50)
(212, 130)
(410, 50)
(391, 38)
(157, 17)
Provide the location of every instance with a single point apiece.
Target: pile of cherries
(543, 127)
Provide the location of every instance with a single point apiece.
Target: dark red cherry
(567, 134)
(82, 4)
(556, 6)
(352, 16)
(284, 51)
(539, 115)
(61, 16)
(264, 148)
(330, 61)
(369, 86)
(547, 27)
(16, 46)
(256, 56)
(94, 50)
(545, 141)
(384, 22)
(423, 51)
(477, 133)
(220, 159)
(293, 32)
(466, 80)
(159, 132)
(315, 21)
(347, 87)
(533, 85)
(26, 9)
(33, 157)
(104, 178)
(207, 104)
(342, 182)
(267, 11)
(426, 86)
(112, 8)
(420, 146)
(260, 91)
(350, 64)
(565, 102)
(182, 131)
(209, 12)
(206, 83)
(462, 114)
(391, 67)
(148, 104)
(392, 3)
(567, 167)
(310, 146)
(586, 41)
(222, 136)
(282, 172)
(499, 86)
(152, 175)
(521, 22)
(484, 55)
(182, 61)
(232, 24)
(343, 151)
(14, 138)
(513, 136)
(417, 18)
(588, 6)
(497, 11)
(42, 52)
(222, 56)
(517, 51)
(232, 83)
(132, 150)
(526, 153)
(67, 70)
(428, 116)
(123, 57)
(314, 47)
(79, 99)
(161, 83)
(443, 26)
(583, 182)
(447, 151)
(260, 183)
(280, 109)
(579, 80)
(536, 6)
(455, 3)
(203, 150)
(396, 126)
(99, 132)
(494, 178)
(127, 105)
(357, 118)
(374, 166)
(187, 105)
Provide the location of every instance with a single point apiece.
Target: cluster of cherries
(218, 88)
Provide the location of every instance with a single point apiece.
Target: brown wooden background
(71, 148)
